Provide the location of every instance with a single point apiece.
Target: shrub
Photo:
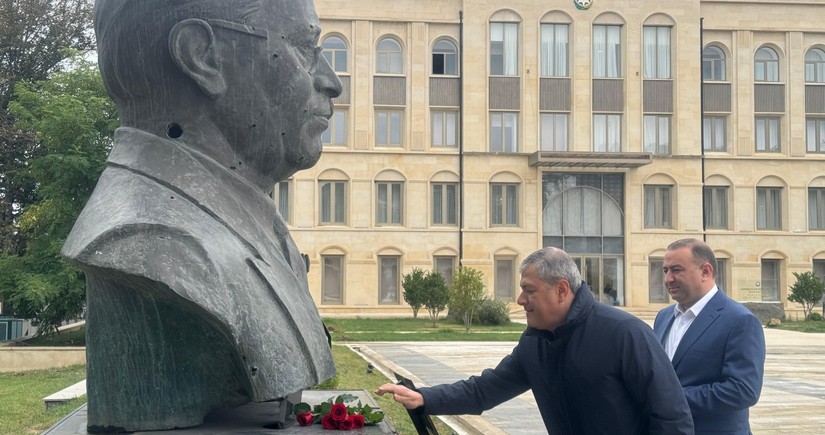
(413, 285)
(773, 323)
(816, 317)
(493, 312)
(807, 290)
(436, 295)
(466, 293)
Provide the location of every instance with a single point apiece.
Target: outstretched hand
(403, 395)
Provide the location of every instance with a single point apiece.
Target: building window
(768, 208)
(722, 274)
(445, 204)
(816, 208)
(503, 49)
(716, 207)
(713, 64)
(505, 278)
(815, 134)
(503, 204)
(815, 66)
(389, 57)
(389, 203)
(281, 196)
(554, 131)
(657, 293)
(766, 65)
(715, 133)
(445, 58)
(332, 279)
(336, 133)
(657, 134)
(445, 128)
(335, 51)
(503, 132)
(607, 51)
(767, 134)
(770, 280)
(657, 52)
(607, 133)
(658, 206)
(819, 269)
(333, 202)
(388, 127)
(554, 50)
(389, 279)
(444, 266)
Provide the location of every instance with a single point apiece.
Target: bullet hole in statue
(174, 130)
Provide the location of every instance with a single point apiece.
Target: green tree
(413, 284)
(467, 291)
(436, 295)
(74, 122)
(34, 38)
(807, 290)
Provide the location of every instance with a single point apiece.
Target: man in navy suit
(716, 345)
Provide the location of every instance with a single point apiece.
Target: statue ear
(192, 47)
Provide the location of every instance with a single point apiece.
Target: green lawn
(421, 329)
(23, 411)
(67, 338)
(803, 326)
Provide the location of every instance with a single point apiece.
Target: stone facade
(619, 209)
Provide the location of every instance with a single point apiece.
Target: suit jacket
(720, 363)
(197, 295)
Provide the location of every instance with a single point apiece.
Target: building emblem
(583, 4)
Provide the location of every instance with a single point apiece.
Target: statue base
(249, 419)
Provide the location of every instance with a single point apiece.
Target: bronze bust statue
(197, 295)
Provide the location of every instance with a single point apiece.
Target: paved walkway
(792, 401)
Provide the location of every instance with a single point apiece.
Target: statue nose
(325, 80)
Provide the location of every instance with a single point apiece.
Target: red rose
(328, 423)
(357, 420)
(346, 424)
(338, 412)
(304, 419)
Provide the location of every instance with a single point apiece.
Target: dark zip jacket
(601, 372)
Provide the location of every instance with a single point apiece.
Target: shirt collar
(698, 306)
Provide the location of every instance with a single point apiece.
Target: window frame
(772, 127)
(443, 133)
(282, 203)
(389, 57)
(500, 215)
(815, 68)
(713, 218)
(506, 56)
(503, 137)
(394, 199)
(766, 65)
(337, 122)
(617, 62)
(445, 55)
(711, 127)
(549, 50)
(657, 293)
(383, 294)
(444, 205)
(661, 69)
(508, 280)
(658, 148)
(608, 147)
(438, 269)
(332, 54)
(325, 279)
(815, 144)
(714, 64)
(765, 220)
(334, 194)
(816, 208)
(553, 136)
(388, 127)
(661, 198)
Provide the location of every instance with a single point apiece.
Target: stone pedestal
(249, 419)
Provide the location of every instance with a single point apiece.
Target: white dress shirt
(683, 320)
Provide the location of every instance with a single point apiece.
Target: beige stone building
(474, 132)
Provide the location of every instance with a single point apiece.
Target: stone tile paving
(792, 401)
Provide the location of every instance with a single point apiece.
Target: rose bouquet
(334, 414)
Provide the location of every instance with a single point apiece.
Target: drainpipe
(461, 138)
(702, 121)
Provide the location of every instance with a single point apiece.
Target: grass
(421, 329)
(803, 326)
(23, 393)
(76, 337)
(353, 375)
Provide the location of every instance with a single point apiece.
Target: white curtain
(510, 49)
(599, 133)
(650, 52)
(614, 51)
(599, 55)
(512, 204)
(663, 52)
(650, 134)
(614, 133)
(547, 48)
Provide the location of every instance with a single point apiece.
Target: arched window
(445, 58)
(335, 51)
(713, 63)
(389, 57)
(766, 65)
(815, 66)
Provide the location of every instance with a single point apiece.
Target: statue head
(242, 81)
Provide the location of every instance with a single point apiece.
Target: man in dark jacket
(592, 368)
